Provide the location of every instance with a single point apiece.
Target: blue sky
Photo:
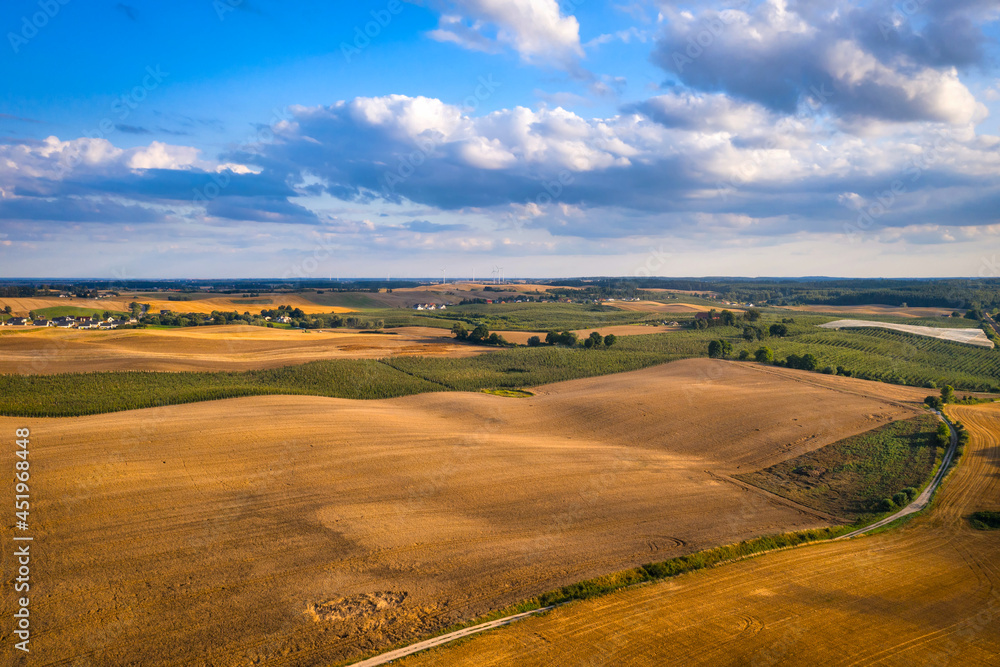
(219, 138)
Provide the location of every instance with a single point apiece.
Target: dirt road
(927, 593)
(921, 501)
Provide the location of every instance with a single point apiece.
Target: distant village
(69, 322)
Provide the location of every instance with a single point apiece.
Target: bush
(985, 520)
(830, 370)
(609, 340)
(943, 435)
(901, 499)
(744, 355)
(910, 492)
(534, 341)
(886, 505)
(778, 330)
(764, 355)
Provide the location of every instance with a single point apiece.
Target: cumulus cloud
(665, 163)
(536, 29)
(782, 53)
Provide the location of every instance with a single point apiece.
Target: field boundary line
(819, 514)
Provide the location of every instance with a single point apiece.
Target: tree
(106, 315)
(948, 394)
(764, 355)
(609, 340)
(744, 355)
(809, 362)
(719, 349)
(552, 338)
(596, 337)
(479, 333)
(7, 310)
(31, 314)
(588, 343)
(728, 318)
(534, 341)
(751, 315)
(778, 330)
(458, 328)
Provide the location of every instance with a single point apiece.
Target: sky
(428, 138)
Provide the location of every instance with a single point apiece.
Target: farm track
(926, 593)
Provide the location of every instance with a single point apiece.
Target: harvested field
(305, 530)
(975, 337)
(657, 307)
(198, 303)
(521, 337)
(873, 309)
(925, 594)
(211, 348)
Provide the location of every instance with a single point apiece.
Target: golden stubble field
(926, 594)
(873, 309)
(305, 530)
(200, 303)
(676, 308)
(210, 348)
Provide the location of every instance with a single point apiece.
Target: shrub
(764, 355)
(943, 435)
(901, 498)
(886, 505)
(985, 520)
(830, 370)
(744, 355)
(910, 492)
(534, 341)
(609, 340)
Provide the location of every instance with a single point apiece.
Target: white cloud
(536, 29)
(163, 156)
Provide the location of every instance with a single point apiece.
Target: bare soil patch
(657, 307)
(873, 309)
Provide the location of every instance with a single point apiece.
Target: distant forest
(957, 293)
